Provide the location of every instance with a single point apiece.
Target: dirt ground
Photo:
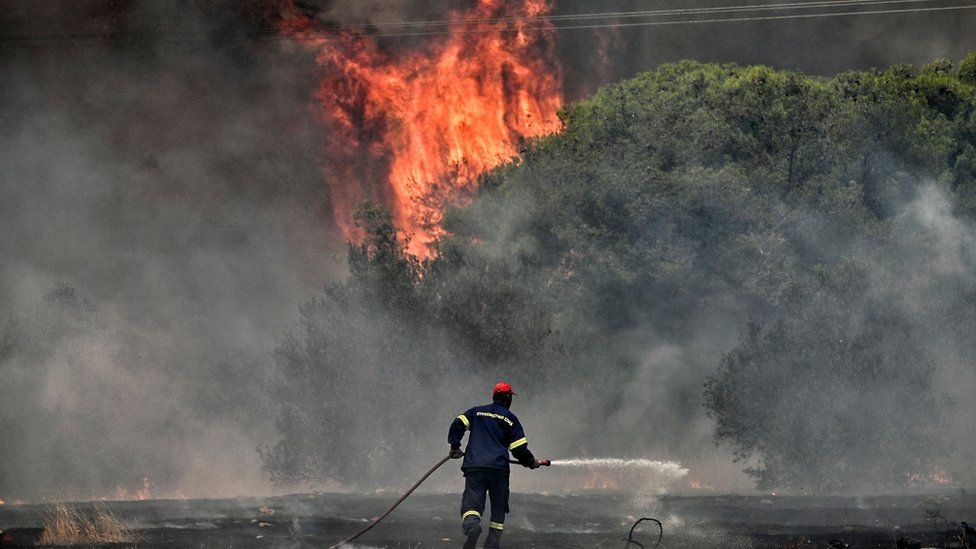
(587, 520)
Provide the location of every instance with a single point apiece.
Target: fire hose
(379, 519)
(630, 536)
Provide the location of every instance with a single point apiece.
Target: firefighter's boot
(493, 539)
(471, 526)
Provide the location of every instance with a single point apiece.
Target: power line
(78, 39)
(679, 22)
(776, 17)
(618, 14)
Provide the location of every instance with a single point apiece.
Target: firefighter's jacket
(495, 431)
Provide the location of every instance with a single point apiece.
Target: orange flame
(414, 130)
(938, 477)
(142, 493)
(699, 485)
(600, 481)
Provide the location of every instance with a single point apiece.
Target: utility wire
(73, 39)
(680, 22)
(618, 14)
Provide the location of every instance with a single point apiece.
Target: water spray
(669, 469)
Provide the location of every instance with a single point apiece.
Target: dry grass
(65, 524)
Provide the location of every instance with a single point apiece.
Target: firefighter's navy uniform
(495, 431)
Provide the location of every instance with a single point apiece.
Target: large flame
(414, 129)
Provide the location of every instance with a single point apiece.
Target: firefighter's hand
(455, 453)
(535, 464)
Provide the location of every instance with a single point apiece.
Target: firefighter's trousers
(490, 482)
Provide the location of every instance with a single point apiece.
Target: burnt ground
(538, 521)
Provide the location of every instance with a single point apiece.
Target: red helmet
(502, 388)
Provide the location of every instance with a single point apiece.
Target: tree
(838, 399)
(356, 368)
(672, 208)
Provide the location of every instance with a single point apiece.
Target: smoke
(820, 46)
(641, 396)
(933, 280)
(380, 12)
(163, 214)
(161, 217)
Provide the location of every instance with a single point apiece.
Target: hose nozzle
(542, 462)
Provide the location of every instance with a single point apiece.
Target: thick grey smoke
(163, 214)
(641, 395)
(934, 281)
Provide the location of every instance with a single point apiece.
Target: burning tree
(616, 261)
(375, 349)
(414, 127)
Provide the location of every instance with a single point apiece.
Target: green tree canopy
(672, 210)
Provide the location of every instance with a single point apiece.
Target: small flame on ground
(699, 485)
(142, 493)
(938, 477)
(600, 481)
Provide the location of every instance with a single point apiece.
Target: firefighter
(494, 432)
